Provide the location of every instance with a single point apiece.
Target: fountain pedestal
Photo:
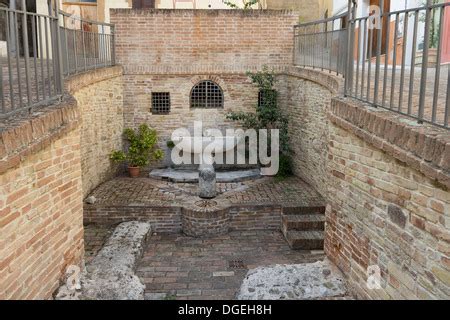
(207, 182)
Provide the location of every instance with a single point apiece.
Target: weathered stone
(110, 275)
(293, 282)
(91, 200)
(397, 216)
(207, 183)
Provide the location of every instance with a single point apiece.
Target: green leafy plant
(141, 149)
(170, 144)
(246, 4)
(268, 116)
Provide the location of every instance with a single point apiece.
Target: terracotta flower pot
(134, 171)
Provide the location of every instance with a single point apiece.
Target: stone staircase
(304, 228)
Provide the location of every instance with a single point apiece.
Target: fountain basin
(192, 176)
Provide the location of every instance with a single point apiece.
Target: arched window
(206, 95)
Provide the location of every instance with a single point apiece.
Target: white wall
(3, 49)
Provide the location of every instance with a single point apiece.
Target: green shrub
(268, 116)
(170, 144)
(286, 168)
(141, 148)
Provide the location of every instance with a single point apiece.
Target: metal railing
(393, 62)
(322, 44)
(37, 51)
(87, 44)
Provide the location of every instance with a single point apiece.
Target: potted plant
(141, 149)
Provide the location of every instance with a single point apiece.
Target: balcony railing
(37, 51)
(396, 60)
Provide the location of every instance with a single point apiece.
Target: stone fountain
(198, 154)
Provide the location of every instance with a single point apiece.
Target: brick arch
(216, 79)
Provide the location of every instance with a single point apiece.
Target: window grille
(206, 95)
(160, 102)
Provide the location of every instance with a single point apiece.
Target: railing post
(378, 61)
(12, 28)
(113, 45)
(349, 58)
(26, 51)
(59, 49)
(426, 45)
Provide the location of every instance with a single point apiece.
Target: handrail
(384, 66)
(37, 62)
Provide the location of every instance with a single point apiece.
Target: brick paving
(175, 266)
(95, 237)
(125, 191)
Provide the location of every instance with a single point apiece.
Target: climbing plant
(268, 116)
(246, 4)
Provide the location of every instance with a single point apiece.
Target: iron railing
(322, 44)
(42, 49)
(393, 62)
(87, 44)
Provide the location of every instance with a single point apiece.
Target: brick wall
(306, 103)
(389, 202)
(41, 230)
(189, 219)
(199, 41)
(308, 10)
(99, 95)
(387, 186)
(171, 51)
(239, 95)
(48, 162)
(162, 219)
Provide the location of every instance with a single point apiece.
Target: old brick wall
(41, 213)
(202, 41)
(99, 95)
(387, 186)
(48, 162)
(384, 213)
(239, 95)
(389, 202)
(305, 96)
(171, 51)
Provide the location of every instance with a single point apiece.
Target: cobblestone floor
(145, 191)
(178, 267)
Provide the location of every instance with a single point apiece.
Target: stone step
(304, 210)
(305, 240)
(304, 222)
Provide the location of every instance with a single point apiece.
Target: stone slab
(111, 274)
(320, 280)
